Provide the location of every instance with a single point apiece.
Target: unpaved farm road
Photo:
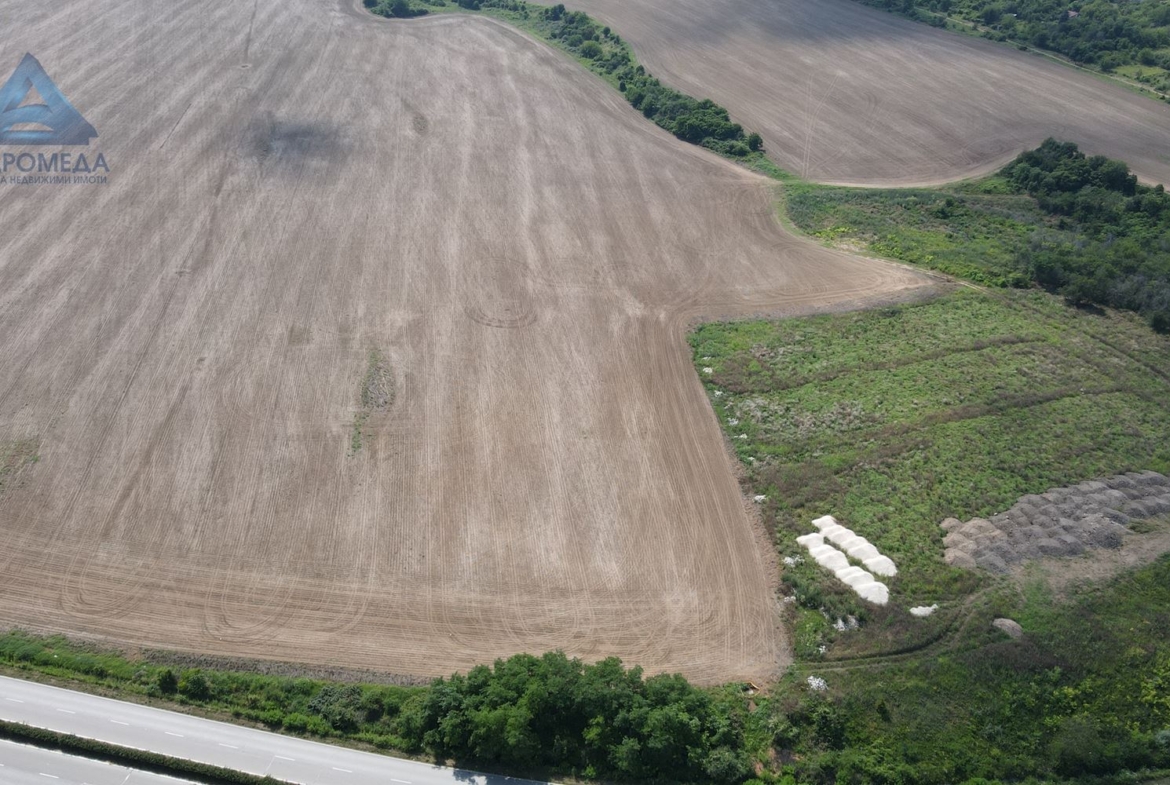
(844, 93)
(296, 184)
(177, 735)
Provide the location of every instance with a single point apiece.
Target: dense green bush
(1120, 253)
(533, 712)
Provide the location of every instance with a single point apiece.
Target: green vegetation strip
(1076, 225)
(131, 758)
(602, 51)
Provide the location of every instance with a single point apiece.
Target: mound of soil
(1061, 522)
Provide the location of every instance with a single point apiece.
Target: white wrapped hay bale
(877, 593)
(862, 552)
(854, 577)
(829, 557)
(810, 540)
(825, 520)
(881, 565)
(849, 542)
(837, 534)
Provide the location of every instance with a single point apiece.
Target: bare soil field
(372, 351)
(847, 94)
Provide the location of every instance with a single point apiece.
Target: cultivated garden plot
(372, 350)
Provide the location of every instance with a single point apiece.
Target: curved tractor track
(297, 186)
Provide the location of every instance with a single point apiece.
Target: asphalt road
(217, 743)
(23, 765)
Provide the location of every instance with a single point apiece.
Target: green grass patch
(15, 457)
(1084, 695)
(894, 419)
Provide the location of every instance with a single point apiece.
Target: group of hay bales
(1061, 522)
(851, 546)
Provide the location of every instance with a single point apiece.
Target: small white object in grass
(839, 625)
(750, 459)
(922, 611)
(708, 371)
(789, 561)
(791, 598)
(742, 436)
(719, 393)
(817, 684)
(759, 498)
(733, 421)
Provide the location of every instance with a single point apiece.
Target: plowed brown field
(844, 93)
(296, 184)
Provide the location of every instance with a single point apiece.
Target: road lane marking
(343, 771)
(404, 782)
(173, 734)
(284, 758)
(14, 700)
(50, 776)
(119, 722)
(66, 711)
(229, 746)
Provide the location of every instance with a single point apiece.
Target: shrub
(167, 682)
(193, 686)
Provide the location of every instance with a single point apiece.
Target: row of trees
(700, 122)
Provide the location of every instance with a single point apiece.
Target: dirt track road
(294, 185)
(844, 93)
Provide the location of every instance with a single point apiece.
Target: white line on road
(119, 722)
(14, 700)
(50, 776)
(284, 758)
(173, 734)
(404, 782)
(66, 711)
(229, 746)
(344, 771)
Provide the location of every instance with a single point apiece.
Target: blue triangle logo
(59, 122)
